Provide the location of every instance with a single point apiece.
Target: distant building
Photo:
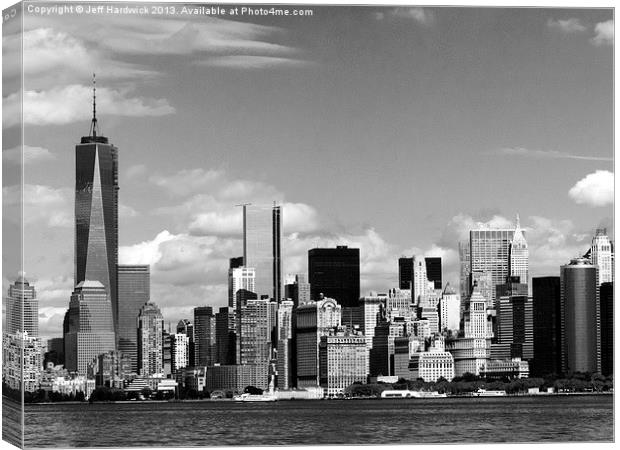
(505, 368)
(464, 270)
(22, 361)
(297, 289)
(233, 378)
(372, 305)
(433, 271)
(240, 278)
(581, 346)
(205, 351)
(134, 285)
(150, 341)
(547, 321)
(186, 327)
(602, 256)
(449, 310)
(515, 328)
(254, 337)
(420, 286)
(55, 352)
(285, 360)
(405, 273)
(313, 320)
(111, 369)
(179, 349)
(432, 365)
(342, 361)
(226, 336)
(519, 255)
(90, 327)
(22, 308)
(335, 273)
(606, 294)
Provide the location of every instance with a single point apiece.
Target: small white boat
(255, 398)
(485, 393)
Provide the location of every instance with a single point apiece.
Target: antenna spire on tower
(93, 126)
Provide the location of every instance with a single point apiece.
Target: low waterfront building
(22, 361)
(506, 368)
(111, 369)
(233, 377)
(55, 378)
(342, 360)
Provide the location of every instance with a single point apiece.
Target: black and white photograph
(244, 224)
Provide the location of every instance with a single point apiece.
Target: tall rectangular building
(464, 270)
(433, 271)
(150, 341)
(490, 253)
(262, 236)
(204, 336)
(134, 286)
(226, 336)
(601, 255)
(335, 273)
(96, 213)
(405, 273)
(547, 326)
(22, 308)
(606, 294)
(254, 336)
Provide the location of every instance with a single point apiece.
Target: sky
(392, 129)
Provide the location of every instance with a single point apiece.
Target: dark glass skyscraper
(547, 326)
(96, 213)
(606, 293)
(405, 273)
(134, 284)
(335, 273)
(204, 336)
(433, 271)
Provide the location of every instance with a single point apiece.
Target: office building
(262, 236)
(519, 255)
(240, 278)
(405, 273)
(515, 328)
(22, 308)
(90, 327)
(464, 270)
(167, 353)
(205, 346)
(581, 346)
(186, 327)
(335, 273)
(606, 294)
(433, 271)
(96, 213)
(235, 262)
(22, 362)
(111, 369)
(547, 327)
(298, 289)
(285, 355)
(179, 352)
(254, 336)
(55, 351)
(449, 310)
(342, 361)
(226, 336)
(313, 320)
(421, 287)
(500, 369)
(601, 255)
(432, 365)
(150, 341)
(134, 285)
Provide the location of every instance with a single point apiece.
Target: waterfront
(208, 423)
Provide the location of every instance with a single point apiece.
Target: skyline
(291, 98)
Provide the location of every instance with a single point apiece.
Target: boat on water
(485, 393)
(268, 396)
(404, 393)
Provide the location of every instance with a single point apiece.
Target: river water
(397, 421)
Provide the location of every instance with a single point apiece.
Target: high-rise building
(205, 351)
(22, 361)
(90, 327)
(313, 320)
(226, 336)
(335, 273)
(240, 278)
(297, 289)
(96, 213)
(405, 272)
(150, 342)
(262, 236)
(519, 255)
(420, 286)
(449, 310)
(186, 327)
(547, 326)
(179, 352)
(515, 333)
(490, 253)
(601, 255)
(22, 308)
(236, 262)
(606, 293)
(254, 336)
(464, 270)
(134, 285)
(433, 271)
(285, 361)
(581, 346)
(342, 361)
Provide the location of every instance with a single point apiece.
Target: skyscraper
(606, 293)
(335, 273)
(581, 347)
(285, 361)
(226, 336)
(490, 253)
(90, 328)
(601, 254)
(254, 336)
(134, 285)
(240, 278)
(204, 336)
(420, 285)
(405, 272)
(22, 308)
(96, 212)
(464, 270)
(185, 327)
(262, 236)
(150, 341)
(519, 255)
(433, 271)
(547, 326)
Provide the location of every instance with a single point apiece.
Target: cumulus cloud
(567, 26)
(41, 204)
(595, 189)
(26, 154)
(420, 15)
(604, 33)
(252, 62)
(62, 105)
(543, 154)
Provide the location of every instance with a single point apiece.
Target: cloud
(595, 189)
(127, 211)
(252, 62)
(27, 155)
(41, 204)
(604, 33)
(187, 181)
(543, 154)
(567, 26)
(420, 15)
(63, 105)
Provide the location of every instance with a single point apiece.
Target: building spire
(94, 128)
(518, 222)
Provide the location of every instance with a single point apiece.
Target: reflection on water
(11, 422)
(205, 423)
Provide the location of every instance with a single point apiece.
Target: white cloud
(146, 252)
(420, 15)
(544, 154)
(127, 211)
(188, 181)
(252, 62)
(63, 105)
(41, 203)
(604, 33)
(29, 154)
(567, 26)
(595, 189)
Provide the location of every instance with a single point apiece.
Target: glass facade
(335, 273)
(489, 253)
(133, 293)
(22, 308)
(150, 341)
